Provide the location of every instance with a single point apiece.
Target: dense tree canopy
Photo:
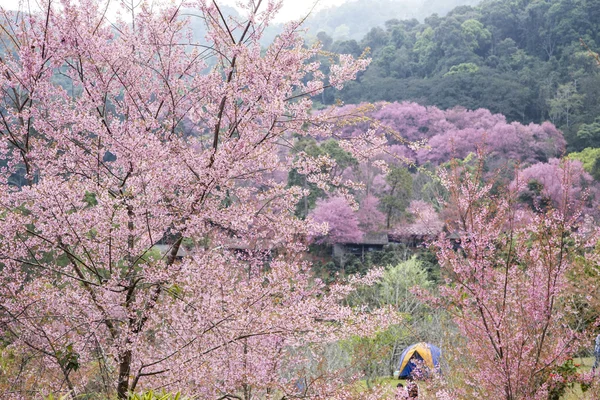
(454, 133)
(342, 222)
(508, 289)
(147, 146)
(519, 58)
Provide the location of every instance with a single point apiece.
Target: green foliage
(464, 68)
(476, 35)
(590, 158)
(53, 397)
(428, 187)
(395, 200)
(522, 59)
(534, 196)
(563, 379)
(587, 157)
(151, 256)
(565, 103)
(377, 356)
(90, 199)
(372, 355)
(343, 159)
(395, 286)
(589, 134)
(397, 282)
(329, 148)
(150, 395)
(68, 359)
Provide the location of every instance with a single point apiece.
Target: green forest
(525, 59)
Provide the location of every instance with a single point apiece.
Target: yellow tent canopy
(429, 353)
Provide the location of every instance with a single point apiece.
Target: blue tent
(424, 353)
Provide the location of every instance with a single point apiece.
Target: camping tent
(426, 353)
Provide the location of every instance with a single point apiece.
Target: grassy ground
(386, 381)
(585, 364)
(389, 382)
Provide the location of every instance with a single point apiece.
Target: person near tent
(596, 353)
(401, 393)
(413, 389)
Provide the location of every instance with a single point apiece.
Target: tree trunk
(124, 372)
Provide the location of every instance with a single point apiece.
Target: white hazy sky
(292, 9)
(295, 9)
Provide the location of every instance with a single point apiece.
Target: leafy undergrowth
(584, 365)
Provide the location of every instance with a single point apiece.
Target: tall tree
(565, 103)
(147, 144)
(397, 195)
(370, 219)
(506, 288)
(555, 183)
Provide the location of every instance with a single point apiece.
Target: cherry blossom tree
(370, 219)
(556, 183)
(425, 218)
(506, 287)
(129, 134)
(342, 221)
(524, 143)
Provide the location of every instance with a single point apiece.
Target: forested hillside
(520, 58)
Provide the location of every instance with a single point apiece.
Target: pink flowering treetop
(452, 133)
(425, 218)
(554, 183)
(342, 221)
(142, 142)
(370, 219)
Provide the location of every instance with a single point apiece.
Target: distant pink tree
(514, 141)
(412, 121)
(425, 216)
(370, 219)
(506, 288)
(462, 118)
(341, 219)
(558, 182)
(379, 184)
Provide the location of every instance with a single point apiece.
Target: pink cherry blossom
(125, 135)
(341, 220)
(506, 287)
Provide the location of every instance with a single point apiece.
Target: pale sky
(295, 9)
(292, 9)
